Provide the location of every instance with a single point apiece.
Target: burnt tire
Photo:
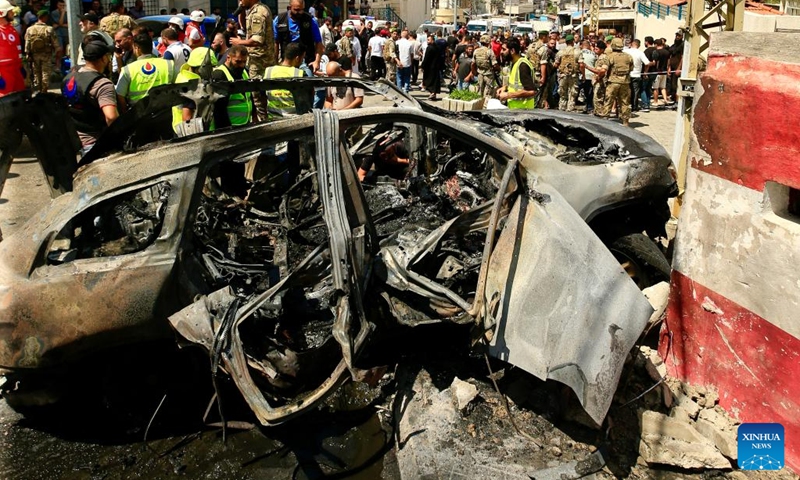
(642, 259)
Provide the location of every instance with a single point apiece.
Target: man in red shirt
(12, 77)
(194, 34)
(496, 46)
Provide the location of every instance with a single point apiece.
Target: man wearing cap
(40, 45)
(116, 20)
(620, 65)
(89, 93)
(345, 44)
(259, 41)
(568, 62)
(377, 67)
(191, 71)
(521, 90)
(485, 63)
(148, 71)
(194, 32)
(89, 23)
(390, 56)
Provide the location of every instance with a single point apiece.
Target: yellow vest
(514, 85)
(145, 74)
(280, 102)
(184, 76)
(240, 107)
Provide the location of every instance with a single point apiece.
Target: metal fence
(662, 11)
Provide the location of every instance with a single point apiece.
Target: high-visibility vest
(184, 76)
(240, 106)
(514, 85)
(145, 74)
(281, 100)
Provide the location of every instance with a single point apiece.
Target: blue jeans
(647, 90)
(462, 85)
(403, 78)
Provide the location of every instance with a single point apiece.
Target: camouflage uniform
(114, 22)
(568, 60)
(40, 45)
(259, 28)
(620, 65)
(599, 98)
(546, 57)
(389, 54)
(484, 62)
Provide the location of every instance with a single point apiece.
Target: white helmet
(5, 7)
(174, 20)
(197, 16)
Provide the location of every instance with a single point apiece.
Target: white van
(479, 26)
(523, 28)
(433, 28)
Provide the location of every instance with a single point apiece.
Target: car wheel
(641, 258)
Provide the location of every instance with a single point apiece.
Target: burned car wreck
(261, 245)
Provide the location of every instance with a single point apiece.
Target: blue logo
(148, 68)
(761, 446)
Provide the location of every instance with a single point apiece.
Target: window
(122, 225)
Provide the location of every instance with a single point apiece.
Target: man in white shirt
(404, 60)
(325, 31)
(640, 61)
(176, 51)
(375, 48)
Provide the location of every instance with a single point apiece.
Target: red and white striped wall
(733, 321)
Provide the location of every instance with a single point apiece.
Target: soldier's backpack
(533, 55)
(113, 23)
(568, 65)
(346, 49)
(620, 65)
(481, 57)
(388, 49)
(39, 40)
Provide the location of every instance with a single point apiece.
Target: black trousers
(377, 67)
(636, 92)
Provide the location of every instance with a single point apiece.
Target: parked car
(157, 23)
(503, 221)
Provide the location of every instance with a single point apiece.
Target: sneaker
(645, 110)
(670, 102)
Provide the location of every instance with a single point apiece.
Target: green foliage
(464, 95)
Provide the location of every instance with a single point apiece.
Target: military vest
(568, 66)
(40, 39)
(619, 67)
(483, 62)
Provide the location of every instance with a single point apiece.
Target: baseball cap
(384, 32)
(42, 13)
(89, 17)
(544, 32)
(609, 38)
(569, 38)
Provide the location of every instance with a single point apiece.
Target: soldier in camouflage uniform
(116, 20)
(485, 62)
(568, 61)
(599, 69)
(547, 75)
(260, 43)
(40, 45)
(389, 54)
(345, 44)
(618, 87)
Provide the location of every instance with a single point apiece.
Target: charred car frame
(260, 244)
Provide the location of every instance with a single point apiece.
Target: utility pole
(455, 16)
(74, 28)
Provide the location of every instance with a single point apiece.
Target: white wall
(655, 27)
(754, 22)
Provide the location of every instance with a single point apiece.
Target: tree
(498, 5)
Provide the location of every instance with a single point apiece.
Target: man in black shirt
(675, 64)
(661, 57)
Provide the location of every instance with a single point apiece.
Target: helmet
(174, 20)
(197, 16)
(5, 7)
(198, 57)
(485, 38)
(617, 44)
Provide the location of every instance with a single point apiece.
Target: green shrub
(464, 95)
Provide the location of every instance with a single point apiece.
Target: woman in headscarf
(432, 66)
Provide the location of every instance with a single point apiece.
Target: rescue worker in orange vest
(12, 74)
(521, 90)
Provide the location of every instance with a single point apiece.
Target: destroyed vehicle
(260, 245)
